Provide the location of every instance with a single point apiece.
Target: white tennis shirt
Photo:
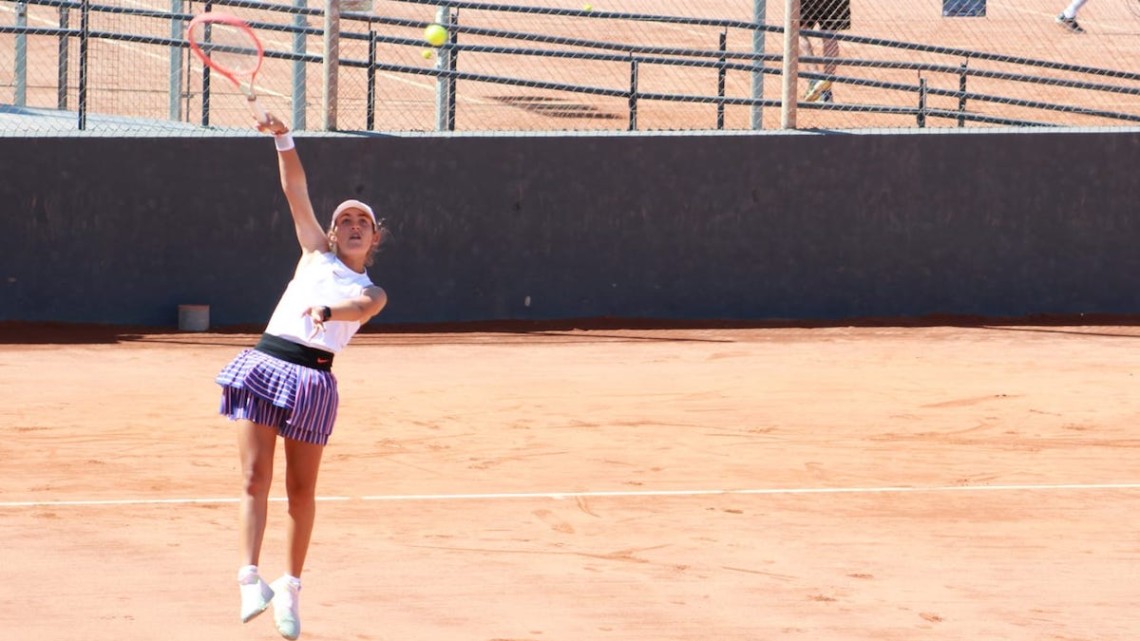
(324, 281)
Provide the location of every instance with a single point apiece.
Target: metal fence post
(84, 29)
(370, 107)
(21, 70)
(174, 103)
(206, 73)
(300, 100)
(788, 92)
(632, 93)
(962, 95)
(64, 47)
(720, 74)
(441, 81)
(921, 118)
(759, 15)
(452, 64)
(331, 64)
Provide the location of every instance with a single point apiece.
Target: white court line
(604, 494)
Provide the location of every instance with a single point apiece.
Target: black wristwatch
(326, 313)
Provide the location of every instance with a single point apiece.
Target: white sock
(247, 574)
(292, 580)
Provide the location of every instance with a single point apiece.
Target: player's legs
(302, 463)
(256, 444)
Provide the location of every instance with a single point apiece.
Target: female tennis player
(284, 387)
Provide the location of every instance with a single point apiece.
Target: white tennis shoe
(255, 597)
(286, 606)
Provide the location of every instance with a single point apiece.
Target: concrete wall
(771, 226)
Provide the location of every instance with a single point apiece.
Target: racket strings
(229, 48)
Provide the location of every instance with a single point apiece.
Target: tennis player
(284, 387)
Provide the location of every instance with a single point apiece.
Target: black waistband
(295, 353)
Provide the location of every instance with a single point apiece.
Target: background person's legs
(824, 15)
(1068, 17)
(1074, 8)
(820, 90)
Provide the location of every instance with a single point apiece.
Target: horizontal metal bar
(950, 114)
(973, 72)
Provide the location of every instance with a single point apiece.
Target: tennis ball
(435, 34)
(587, 7)
(426, 53)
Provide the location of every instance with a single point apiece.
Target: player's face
(354, 233)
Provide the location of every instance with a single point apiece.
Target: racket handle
(257, 110)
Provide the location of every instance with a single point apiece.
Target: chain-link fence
(123, 67)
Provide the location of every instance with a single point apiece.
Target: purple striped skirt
(299, 401)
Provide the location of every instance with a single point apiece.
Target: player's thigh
(302, 464)
(256, 444)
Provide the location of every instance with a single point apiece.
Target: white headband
(353, 204)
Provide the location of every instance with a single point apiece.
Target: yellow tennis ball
(435, 34)
(587, 7)
(426, 53)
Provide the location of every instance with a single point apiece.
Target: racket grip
(257, 110)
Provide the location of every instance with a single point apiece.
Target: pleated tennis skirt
(301, 402)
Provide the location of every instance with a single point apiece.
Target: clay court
(940, 482)
(886, 482)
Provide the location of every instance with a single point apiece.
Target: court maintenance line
(493, 496)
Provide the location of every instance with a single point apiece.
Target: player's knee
(300, 490)
(256, 480)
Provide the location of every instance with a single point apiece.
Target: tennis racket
(227, 45)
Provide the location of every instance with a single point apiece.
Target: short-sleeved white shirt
(324, 281)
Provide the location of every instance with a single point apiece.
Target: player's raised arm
(296, 187)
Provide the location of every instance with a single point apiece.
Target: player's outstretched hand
(317, 315)
(272, 125)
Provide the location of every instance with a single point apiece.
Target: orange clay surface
(827, 484)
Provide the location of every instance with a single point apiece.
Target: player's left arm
(359, 308)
